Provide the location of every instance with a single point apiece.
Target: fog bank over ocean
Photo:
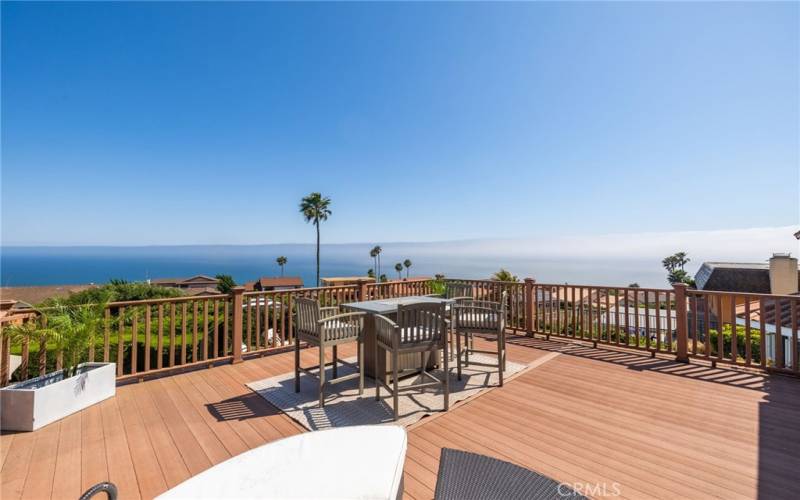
(613, 259)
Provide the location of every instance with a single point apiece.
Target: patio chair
(484, 317)
(457, 292)
(420, 328)
(324, 327)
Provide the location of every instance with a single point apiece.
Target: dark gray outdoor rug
(344, 407)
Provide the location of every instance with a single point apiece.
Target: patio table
(388, 308)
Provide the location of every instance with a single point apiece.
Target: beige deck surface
(614, 421)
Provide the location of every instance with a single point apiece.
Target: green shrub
(727, 336)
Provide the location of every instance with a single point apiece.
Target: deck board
(608, 418)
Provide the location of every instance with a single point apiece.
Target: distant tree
(399, 268)
(383, 278)
(315, 209)
(119, 291)
(374, 256)
(634, 285)
(407, 263)
(439, 277)
(503, 275)
(375, 253)
(371, 273)
(281, 262)
(674, 264)
(225, 283)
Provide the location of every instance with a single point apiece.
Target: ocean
(25, 266)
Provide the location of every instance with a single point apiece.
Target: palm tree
(407, 263)
(375, 253)
(281, 262)
(399, 268)
(316, 208)
(503, 275)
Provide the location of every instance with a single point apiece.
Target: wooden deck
(606, 421)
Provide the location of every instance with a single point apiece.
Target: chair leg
(446, 359)
(296, 365)
(395, 395)
(466, 348)
(321, 375)
(375, 373)
(335, 361)
(458, 354)
(360, 367)
(450, 332)
(500, 357)
(503, 334)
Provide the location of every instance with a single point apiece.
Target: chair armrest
(341, 317)
(459, 299)
(328, 311)
(386, 330)
(475, 308)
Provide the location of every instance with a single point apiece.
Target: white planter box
(34, 403)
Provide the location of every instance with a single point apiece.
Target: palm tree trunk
(317, 224)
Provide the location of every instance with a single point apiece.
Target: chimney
(783, 274)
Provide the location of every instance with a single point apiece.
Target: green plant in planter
(73, 328)
(33, 330)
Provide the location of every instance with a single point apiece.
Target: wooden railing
(757, 330)
(636, 318)
(152, 336)
(374, 291)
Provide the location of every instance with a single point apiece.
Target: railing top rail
(395, 282)
(300, 290)
(692, 291)
(489, 282)
(606, 287)
(190, 298)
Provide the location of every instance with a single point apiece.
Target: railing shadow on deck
(778, 437)
(642, 361)
(242, 407)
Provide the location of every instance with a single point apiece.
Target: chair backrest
(421, 323)
(480, 315)
(458, 290)
(308, 315)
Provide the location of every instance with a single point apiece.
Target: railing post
(362, 292)
(237, 294)
(530, 306)
(682, 354)
(5, 358)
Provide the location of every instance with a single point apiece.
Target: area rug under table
(344, 407)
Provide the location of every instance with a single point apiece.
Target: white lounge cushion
(360, 462)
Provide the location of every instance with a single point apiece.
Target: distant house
(265, 283)
(199, 282)
(779, 277)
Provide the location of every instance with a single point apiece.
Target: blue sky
(155, 123)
